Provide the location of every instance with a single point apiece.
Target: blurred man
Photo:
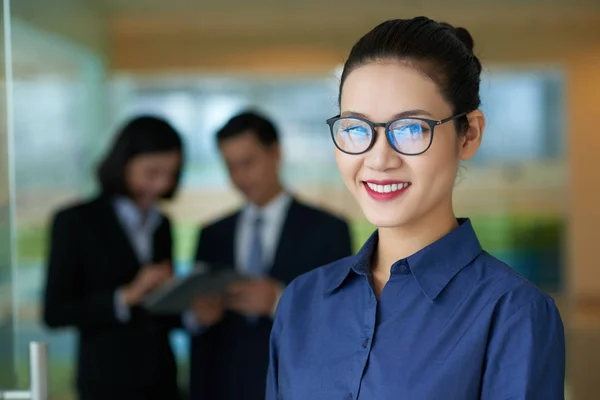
(273, 238)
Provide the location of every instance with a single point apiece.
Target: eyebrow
(403, 114)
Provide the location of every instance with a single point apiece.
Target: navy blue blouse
(452, 322)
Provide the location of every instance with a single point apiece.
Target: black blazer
(230, 360)
(90, 257)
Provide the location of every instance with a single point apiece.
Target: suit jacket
(90, 257)
(229, 361)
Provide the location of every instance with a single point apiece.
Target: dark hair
(249, 121)
(141, 135)
(439, 50)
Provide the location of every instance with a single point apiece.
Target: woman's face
(419, 185)
(150, 176)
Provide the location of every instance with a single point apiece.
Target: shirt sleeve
(66, 303)
(191, 324)
(122, 311)
(526, 355)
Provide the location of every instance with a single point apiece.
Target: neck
(401, 242)
(273, 194)
(142, 206)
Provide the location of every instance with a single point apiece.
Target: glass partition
(7, 317)
(60, 128)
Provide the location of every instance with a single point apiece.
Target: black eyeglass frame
(431, 122)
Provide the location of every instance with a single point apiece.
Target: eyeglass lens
(408, 136)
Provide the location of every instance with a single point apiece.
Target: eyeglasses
(408, 136)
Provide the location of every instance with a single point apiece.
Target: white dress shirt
(273, 217)
(139, 228)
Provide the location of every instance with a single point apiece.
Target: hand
(208, 309)
(255, 297)
(147, 279)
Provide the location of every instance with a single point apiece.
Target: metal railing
(38, 373)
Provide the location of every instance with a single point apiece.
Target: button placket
(370, 318)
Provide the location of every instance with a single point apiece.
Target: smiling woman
(422, 311)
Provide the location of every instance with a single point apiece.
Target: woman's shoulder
(319, 281)
(81, 212)
(506, 287)
(76, 208)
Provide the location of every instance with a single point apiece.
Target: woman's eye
(412, 130)
(356, 130)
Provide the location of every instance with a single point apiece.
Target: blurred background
(74, 70)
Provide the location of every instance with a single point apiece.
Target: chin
(383, 224)
(248, 195)
(383, 220)
(145, 202)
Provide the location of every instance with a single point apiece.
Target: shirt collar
(133, 217)
(272, 210)
(433, 267)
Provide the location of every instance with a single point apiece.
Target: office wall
(584, 177)
(584, 221)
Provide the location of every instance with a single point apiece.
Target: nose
(381, 156)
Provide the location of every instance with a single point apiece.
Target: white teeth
(387, 188)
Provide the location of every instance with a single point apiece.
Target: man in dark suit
(273, 238)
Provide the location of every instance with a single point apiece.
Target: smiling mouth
(384, 191)
(388, 187)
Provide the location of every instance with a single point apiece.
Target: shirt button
(365, 343)
(400, 267)
(349, 397)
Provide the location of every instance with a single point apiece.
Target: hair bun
(462, 34)
(465, 37)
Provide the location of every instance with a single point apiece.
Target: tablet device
(176, 296)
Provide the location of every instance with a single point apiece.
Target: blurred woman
(105, 255)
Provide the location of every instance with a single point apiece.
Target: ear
(471, 140)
